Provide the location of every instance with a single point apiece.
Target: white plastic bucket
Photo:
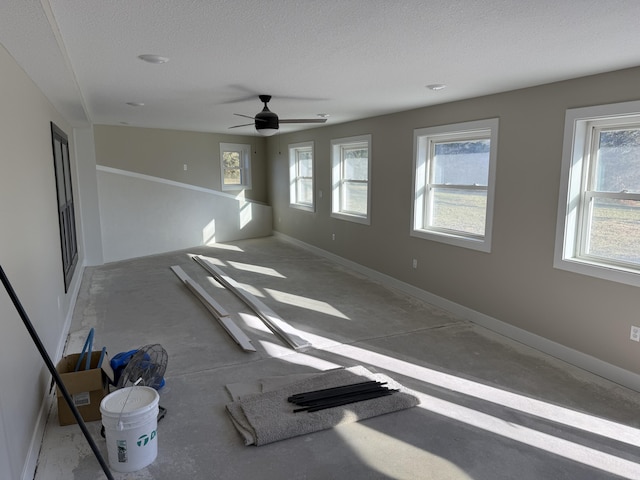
(130, 419)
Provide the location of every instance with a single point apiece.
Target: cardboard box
(86, 387)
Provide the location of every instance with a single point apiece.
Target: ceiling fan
(267, 123)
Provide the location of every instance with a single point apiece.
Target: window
(235, 164)
(66, 212)
(599, 210)
(351, 169)
(301, 182)
(454, 177)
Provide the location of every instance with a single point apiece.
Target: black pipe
(337, 402)
(327, 391)
(331, 398)
(54, 372)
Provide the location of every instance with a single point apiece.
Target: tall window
(454, 178)
(599, 212)
(235, 165)
(66, 212)
(351, 170)
(301, 182)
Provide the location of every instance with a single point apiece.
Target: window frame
(66, 209)
(244, 150)
(338, 181)
(294, 176)
(575, 181)
(423, 138)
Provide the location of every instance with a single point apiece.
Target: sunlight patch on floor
(394, 458)
(543, 441)
(254, 322)
(224, 246)
(305, 302)
(531, 406)
(214, 283)
(550, 443)
(249, 267)
(298, 358)
(251, 289)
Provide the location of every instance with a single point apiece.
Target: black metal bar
(330, 397)
(54, 372)
(346, 401)
(324, 391)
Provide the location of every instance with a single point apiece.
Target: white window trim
(571, 177)
(245, 158)
(336, 179)
(293, 175)
(420, 156)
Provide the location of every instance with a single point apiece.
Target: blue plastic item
(87, 344)
(119, 361)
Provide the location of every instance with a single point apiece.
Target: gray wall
(30, 256)
(142, 216)
(515, 283)
(163, 153)
(149, 204)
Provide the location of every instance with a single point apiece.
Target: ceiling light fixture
(267, 132)
(436, 86)
(156, 59)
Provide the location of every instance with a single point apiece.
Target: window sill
(599, 270)
(482, 245)
(351, 218)
(306, 208)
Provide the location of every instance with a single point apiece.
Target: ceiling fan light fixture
(267, 132)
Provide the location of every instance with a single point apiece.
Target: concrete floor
(491, 408)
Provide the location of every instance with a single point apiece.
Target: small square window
(235, 166)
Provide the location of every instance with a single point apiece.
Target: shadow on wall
(142, 215)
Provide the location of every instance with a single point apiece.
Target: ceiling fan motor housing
(267, 119)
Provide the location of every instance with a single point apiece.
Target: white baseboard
(586, 362)
(31, 462)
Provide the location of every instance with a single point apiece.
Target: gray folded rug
(267, 417)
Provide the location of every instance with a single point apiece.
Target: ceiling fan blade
(303, 120)
(252, 118)
(245, 116)
(244, 125)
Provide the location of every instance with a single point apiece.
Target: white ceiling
(349, 58)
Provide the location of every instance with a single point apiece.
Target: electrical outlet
(635, 334)
(185, 167)
(333, 236)
(414, 264)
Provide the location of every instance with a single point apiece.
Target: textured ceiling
(348, 58)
